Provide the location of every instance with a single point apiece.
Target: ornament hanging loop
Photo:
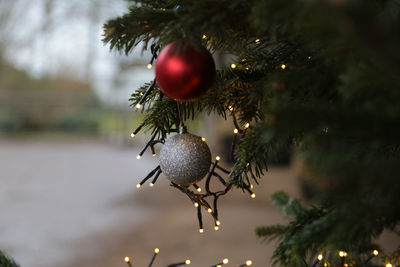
(182, 127)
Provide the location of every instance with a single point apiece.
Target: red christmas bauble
(184, 72)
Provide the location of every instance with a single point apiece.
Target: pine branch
(319, 76)
(6, 261)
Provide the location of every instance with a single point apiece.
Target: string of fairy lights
(318, 262)
(193, 191)
(225, 261)
(199, 199)
(343, 255)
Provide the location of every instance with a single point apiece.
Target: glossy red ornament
(184, 72)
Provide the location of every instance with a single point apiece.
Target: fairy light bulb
(257, 41)
(138, 156)
(204, 36)
(251, 186)
(217, 158)
(341, 254)
(132, 135)
(127, 259)
(249, 262)
(283, 66)
(156, 250)
(198, 189)
(253, 195)
(196, 204)
(201, 230)
(388, 265)
(233, 65)
(235, 131)
(225, 261)
(320, 257)
(138, 185)
(151, 184)
(149, 66)
(209, 210)
(375, 252)
(203, 139)
(154, 154)
(216, 228)
(218, 222)
(247, 125)
(230, 108)
(138, 106)
(187, 262)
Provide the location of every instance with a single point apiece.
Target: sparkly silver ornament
(185, 158)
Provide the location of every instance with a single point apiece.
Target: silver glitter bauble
(185, 158)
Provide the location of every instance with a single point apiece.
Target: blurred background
(56, 74)
(68, 168)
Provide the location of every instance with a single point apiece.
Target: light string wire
(159, 135)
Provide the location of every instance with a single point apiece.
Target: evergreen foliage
(336, 101)
(5, 261)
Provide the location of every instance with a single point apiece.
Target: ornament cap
(182, 129)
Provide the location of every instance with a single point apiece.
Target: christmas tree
(321, 77)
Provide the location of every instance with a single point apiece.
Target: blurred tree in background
(51, 68)
(30, 104)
